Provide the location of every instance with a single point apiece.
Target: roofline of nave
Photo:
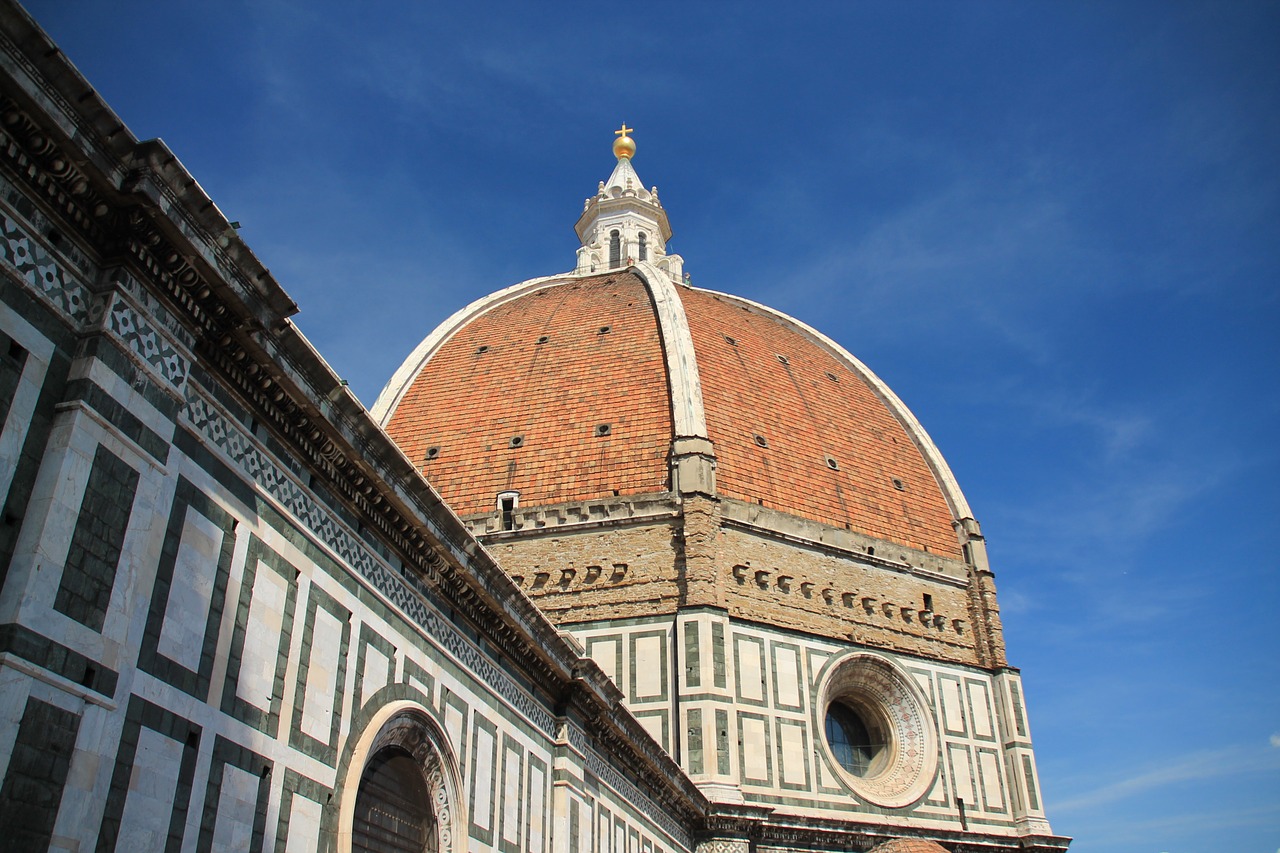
(153, 220)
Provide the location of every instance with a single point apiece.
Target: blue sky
(1052, 228)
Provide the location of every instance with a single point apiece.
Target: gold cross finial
(624, 147)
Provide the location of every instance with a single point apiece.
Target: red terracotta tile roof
(470, 403)
(809, 407)
(538, 367)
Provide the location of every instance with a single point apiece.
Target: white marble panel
(482, 778)
(980, 703)
(791, 749)
(237, 804)
(262, 637)
(374, 677)
(962, 774)
(952, 705)
(787, 663)
(652, 723)
(421, 686)
(149, 806)
(605, 831)
(454, 721)
(191, 591)
(605, 653)
(992, 790)
(511, 795)
(322, 676)
(649, 674)
(537, 808)
(755, 749)
(749, 666)
(304, 825)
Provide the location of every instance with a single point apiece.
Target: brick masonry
(491, 383)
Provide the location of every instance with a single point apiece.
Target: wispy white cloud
(1119, 429)
(974, 258)
(1173, 829)
(1209, 764)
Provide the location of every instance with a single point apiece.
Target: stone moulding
(889, 696)
(132, 203)
(577, 516)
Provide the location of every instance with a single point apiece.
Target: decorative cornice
(144, 212)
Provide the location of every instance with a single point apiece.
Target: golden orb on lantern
(624, 145)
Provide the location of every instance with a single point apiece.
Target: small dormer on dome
(624, 224)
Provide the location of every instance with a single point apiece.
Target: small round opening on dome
(833, 464)
(517, 441)
(482, 349)
(602, 430)
(733, 342)
(762, 441)
(897, 484)
(783, 359)
(543, 339)
(832, 376)
(432, 453)
(604, 330)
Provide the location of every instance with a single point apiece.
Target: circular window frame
(887, 698)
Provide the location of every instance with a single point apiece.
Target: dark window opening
(928, 602)
(432, 453)
(833, 464)
(508, 505)
(603, 430)
(393, 811)
(517, 441)
(854, 745)
(643, 252)
(615, 250)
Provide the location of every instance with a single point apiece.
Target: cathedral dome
(584, 387)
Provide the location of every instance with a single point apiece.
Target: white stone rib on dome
(684, 384)
(685, 390)
(688, 414)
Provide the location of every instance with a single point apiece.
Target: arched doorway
(393, 806)
(400, 792)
